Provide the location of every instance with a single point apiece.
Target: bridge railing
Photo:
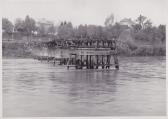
(82, 44)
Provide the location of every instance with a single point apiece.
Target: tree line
(28, 26)
(142, 29)
(137, 36)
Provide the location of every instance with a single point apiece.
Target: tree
(147, 24)
(65, 30)
(109, 21)
(115, 30)
(94, 31)
(41, 29)
(162, 30)
(19, 25)
(136, 28)
(80, 31)
(91, 31)
(51, 30)
(7, 25)
(141, 36)
(30, 25)
(99, 32)
(141, 20)
(157, 36)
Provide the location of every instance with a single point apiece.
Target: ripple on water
(31, 88)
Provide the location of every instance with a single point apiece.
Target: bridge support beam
(108, 62)
(116, 61)
(87, 61)
(97, 61)
(90, 61)
(102, 61)
(81, 63)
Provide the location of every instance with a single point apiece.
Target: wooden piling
(102, 62)
(116, 61)
(97, 61)
(81, 62)
(87, 61)
(108, 62)
(90, 61)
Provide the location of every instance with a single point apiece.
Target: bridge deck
(81, 53)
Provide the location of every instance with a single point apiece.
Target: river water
(34, 89)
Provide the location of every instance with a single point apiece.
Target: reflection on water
(33, 88)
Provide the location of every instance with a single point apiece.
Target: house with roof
(127, 22)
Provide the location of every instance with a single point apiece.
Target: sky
(85, 11)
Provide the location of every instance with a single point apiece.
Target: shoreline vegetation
(134, 37)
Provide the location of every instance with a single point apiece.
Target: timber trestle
(82, 53)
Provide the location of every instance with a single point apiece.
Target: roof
(127, 21)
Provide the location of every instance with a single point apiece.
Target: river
(35, 89)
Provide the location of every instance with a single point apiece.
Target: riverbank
(132, 49)
(128, 46)
(22, 49)
(15, 50)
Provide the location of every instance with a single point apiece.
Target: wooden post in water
(81, 63)
(116, 61)
(103, 44)
(68, 62)
(102, 62)
(75, 62)
(54, 60)
(90, 61)
(97, 61)
(108, 61)
(97, 44)
(87, 62)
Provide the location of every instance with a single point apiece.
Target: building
(44, 25)
(127, 22)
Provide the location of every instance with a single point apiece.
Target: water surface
(32, 88)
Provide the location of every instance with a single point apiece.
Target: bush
(143, 51)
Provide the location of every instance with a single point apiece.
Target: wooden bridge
(81, 53)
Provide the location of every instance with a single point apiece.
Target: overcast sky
(85, 11)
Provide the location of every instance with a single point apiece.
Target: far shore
(20, 49)
(120, 57)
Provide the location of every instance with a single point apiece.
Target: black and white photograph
(83, 58)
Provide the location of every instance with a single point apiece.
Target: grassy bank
(133, 49)
(15, 50)
(127, 46)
